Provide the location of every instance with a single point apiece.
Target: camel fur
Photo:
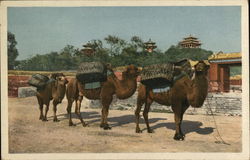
(123, 89)
(185, 92)
(55, 91)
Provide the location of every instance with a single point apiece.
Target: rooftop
(222, 55)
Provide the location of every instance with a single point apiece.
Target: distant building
(149, 46)
(190, 42)
(88, 50)
(219, 72)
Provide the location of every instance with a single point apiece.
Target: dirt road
(27, 134)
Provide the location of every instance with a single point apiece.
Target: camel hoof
(151, 131)
(105, 126)
(179, 137)
(55, 120)
(44, 120)
(85, 125)
(71, 124)
(138, 130)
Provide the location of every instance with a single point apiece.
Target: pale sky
(40, 30)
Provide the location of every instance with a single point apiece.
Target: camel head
(131, 71)
(201, 67)
(59, 78)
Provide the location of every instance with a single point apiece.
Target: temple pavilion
(190, 42)
(150, 46)
(88, 50)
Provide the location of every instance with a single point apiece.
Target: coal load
(91, 72)
(158, 75)
(38, 80)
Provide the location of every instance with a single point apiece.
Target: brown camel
(121, 88)
(184, 92)
(54, 90)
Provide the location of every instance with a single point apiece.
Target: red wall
(14, 82)
(21, 81)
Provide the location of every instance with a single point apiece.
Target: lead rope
(220, 139)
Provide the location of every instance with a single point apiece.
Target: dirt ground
(27, 134)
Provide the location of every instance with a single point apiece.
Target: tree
(12, 51)
(116, 44)
(175, 53)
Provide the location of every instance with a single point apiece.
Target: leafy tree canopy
(118, 52)
(12, 51)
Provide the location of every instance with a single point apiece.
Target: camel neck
(125, 87)
(199, 90)
(58, 89)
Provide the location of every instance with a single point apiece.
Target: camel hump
(38, 80)
(89, 72)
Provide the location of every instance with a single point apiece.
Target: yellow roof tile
(222, 55)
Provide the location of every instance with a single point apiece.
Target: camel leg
(185, 106)
(102, 119)
(46, 111)
(140, 102)
(145, 113)
(40, 108)
(55, 109)
(178, 117)
(70, 102)
(77, 110)
(105, 111)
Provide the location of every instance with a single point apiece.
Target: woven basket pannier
(158, 75)
(185, 67)
(38, 80)
(91, 72)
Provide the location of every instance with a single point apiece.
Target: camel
(185, 92)
(123, 89)
(54, 90)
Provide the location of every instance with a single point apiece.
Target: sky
(41, 30)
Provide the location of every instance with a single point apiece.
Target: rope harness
(218, 139)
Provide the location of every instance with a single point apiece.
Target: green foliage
(118, 53)
(12, 51)
(175, 53)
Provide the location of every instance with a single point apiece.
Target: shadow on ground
(96, 117)
(187, 127)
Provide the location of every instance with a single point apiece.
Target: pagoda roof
(188, 42)
(190, 37)
(222, 55)
(149, 42)
(87, 45)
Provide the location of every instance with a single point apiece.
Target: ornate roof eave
(190, 43)
(222, 56)
(149, 42)
(190, 37)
